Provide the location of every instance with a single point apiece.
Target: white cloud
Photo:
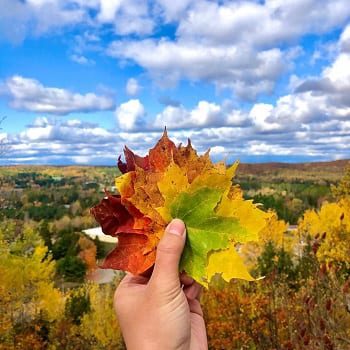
(132, 87)
(260, 114)
(54, 141)
(58, 142)
(259, 23)
(72, 131)
(231, 67)
(233, 44)
(313, 122)
(130, 115)
(262, 24)
(318, 103)
(173, 10)
(108, 10)
(81, 59)
(205, 114)
(18, 19)
(127, 16)
(345, 40)
(31, 95)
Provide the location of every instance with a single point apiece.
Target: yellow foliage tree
(274, 232)
(343, 188)
(27, 293)
(100, 326)
(330, 226)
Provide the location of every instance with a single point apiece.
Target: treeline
(301, 303)
(288, 199)
(58, 208)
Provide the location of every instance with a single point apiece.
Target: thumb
(166, 267)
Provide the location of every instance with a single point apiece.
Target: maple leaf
(206, 231)
(131, 161)
(175, 182)
(129, 255)
(231, 265)
(133, 232)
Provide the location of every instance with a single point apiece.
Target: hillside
(330, 171)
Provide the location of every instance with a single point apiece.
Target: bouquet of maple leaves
(174, 182)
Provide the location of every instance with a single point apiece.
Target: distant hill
(330, 171)
(251, 168)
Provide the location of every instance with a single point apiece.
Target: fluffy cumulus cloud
(239, 68)
(30, 95)
(127, 16)
(233, 44)
(205, 114)
(242, 46)
(313, 121)
(40, 17)
(262, 24)
(130, 115)
(54, 141)
(19, 19)
(323, 100)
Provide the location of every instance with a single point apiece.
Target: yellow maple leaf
(248, 214)
(229, 263)
(173, 181)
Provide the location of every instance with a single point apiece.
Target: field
(46, 301)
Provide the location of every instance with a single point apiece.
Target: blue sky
(252, 80)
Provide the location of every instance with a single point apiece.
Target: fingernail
(176, 227)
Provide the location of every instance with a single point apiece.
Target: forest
(303, 302)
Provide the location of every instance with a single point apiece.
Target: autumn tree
(329, 228)
(100, 325)
(45, 233)
(342, 190)
(28, 298)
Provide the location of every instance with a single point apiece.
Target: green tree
(72, 268)
(276, 261)
(77, 305)
(307, 264)
(66, 244)
(100, 251)
(45, 233)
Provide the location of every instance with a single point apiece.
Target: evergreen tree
(45, 233)
(77, 306)
(72, 268)
(100, 251)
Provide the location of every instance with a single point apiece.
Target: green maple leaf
(206, 231)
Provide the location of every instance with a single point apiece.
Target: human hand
(162, 312)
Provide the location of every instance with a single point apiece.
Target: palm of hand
(173, 316)
(162, 312)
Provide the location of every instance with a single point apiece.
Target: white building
(97, 232)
